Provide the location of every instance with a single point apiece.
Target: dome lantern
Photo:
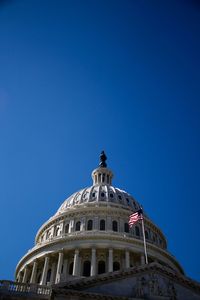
(102, 175)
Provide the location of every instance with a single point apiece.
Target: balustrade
(20, 288)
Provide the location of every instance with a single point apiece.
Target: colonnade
(60, 268)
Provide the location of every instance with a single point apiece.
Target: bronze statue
(103, 158)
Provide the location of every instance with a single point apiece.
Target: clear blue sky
(77, 77)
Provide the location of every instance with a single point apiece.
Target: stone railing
(11, 287)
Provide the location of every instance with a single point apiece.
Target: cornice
(95, 236)
(155, 267)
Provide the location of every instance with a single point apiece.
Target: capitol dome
(101, 193)
(89, 235)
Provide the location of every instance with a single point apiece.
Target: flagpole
(145, 246)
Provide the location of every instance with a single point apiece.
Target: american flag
(138, 215)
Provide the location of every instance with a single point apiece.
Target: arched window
(146, 234)
(102, 225)
(71, 268)
(67, 228)
(86, 268)
(48, 275)
(115, 226)
(78, 226)
(89, 225)
(137, 231)
(101, 267)
(116, 266)
(57, 231)
(126, 227)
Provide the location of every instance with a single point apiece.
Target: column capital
(76, 251)
(60, 251)
(46, 258)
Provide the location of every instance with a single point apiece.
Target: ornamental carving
(154, 285)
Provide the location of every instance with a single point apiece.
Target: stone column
(71, 226)
(45, 270)
(25, 276)
(62, 228)
(34, 272)
(109, 223)
(59, 267)
(65, 265)
(110, 261)
(20, 277)
(142, 259)
(93, 263)
(53, 273)
(127, 259)
(96, 223)
(46, 235)
(53, 231)
(83, 223)
(76, 263)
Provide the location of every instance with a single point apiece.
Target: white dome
(99, 194)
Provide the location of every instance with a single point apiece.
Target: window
(115, 226)
(146, 234)
(111, 195)
(71, 268)
(93, 194)
(116, 266)
(57, 231)
(137, 231)
(102, 194)
(78, 226)
(120, 197)
(101, 267)
(126, 227)
(102, 225)
(89, 225)
(86, 268)
(67, 228)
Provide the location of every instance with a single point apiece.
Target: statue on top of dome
(103, 159)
